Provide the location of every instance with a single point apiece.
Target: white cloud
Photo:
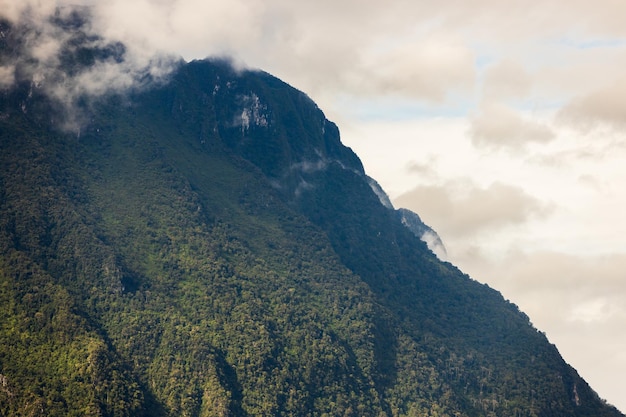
(594, 310)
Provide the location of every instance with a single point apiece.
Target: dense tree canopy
(208, 247)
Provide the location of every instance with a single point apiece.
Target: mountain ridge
(207, 246)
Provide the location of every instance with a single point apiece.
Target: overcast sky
(501, 123)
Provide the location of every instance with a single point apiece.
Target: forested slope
(208, 247)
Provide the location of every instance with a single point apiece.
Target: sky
(502, 124)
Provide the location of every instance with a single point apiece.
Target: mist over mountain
(198, 241)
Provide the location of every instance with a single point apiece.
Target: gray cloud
(318, 46)
(603, 107)
(425, 170)
(424, 51)
(507, 79)
(462, 209)
(426, 69)
(498, 126)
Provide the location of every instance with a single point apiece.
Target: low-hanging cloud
(423, 51)
(461, 209)
(7, 76)
(55, 49)
(318, 46)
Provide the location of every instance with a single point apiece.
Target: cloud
(498, 126)
(595, 276)
(7, 76)
(425, 170)
(460, 209)
(189, 27)
(15, 11)
(594, 310)
(346, 46)
(505, 80)
(423, 51)
(428, 68)
(603, 107)
(56, 50)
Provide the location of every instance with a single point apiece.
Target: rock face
(414, 223)
(206, 246)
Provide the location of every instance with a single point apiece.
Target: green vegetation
(209, 248)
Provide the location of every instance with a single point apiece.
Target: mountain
(415, 224)
(205, 245)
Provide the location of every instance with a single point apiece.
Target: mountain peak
(208, 246)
